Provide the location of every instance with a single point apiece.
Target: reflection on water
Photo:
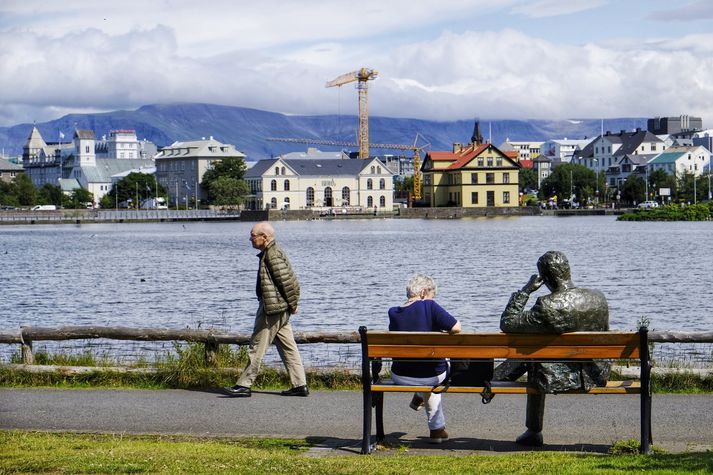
(203, 274)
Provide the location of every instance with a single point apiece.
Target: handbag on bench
(470, 373)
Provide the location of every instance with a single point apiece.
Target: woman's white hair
(418, 283)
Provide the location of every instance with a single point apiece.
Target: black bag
(471, 373)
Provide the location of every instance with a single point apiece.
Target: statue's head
(553, 267)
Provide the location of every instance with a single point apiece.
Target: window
(277, 170)
(328, 196)
(86, 149)
(283, 170)
(480, 162)
(506, 178)
(490, 161)
(287, 185)
(286, 203)
(369, 184)
(499, 162)
(474, 198)
(382, 184)
(474, 178)
(346, 196)
(490, 178)
(369, 202)
(273, 185)
(310, 197)
(506, 197)
(378, 170)
(372, 170)
(273, 203)
(382, 202)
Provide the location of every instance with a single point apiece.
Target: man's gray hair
(420, 282)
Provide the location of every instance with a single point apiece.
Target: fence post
(211, 353)
(27, 356)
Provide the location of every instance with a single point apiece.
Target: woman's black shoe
(238, 391)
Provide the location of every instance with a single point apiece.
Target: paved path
(332, 419)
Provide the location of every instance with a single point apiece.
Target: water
(203, 274)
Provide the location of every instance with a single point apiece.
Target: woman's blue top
(420, 316)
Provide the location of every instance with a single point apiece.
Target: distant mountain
(248, 129)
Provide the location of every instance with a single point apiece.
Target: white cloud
(278, 57)
(550, 8)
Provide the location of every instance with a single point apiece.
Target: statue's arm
(515, 319)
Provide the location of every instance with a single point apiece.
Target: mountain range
(248, 129)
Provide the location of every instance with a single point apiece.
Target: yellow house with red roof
(471, 176)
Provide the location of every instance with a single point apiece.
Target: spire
(477, 137)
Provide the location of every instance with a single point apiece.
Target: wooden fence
(25, 336)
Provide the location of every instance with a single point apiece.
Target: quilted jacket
(277, 286)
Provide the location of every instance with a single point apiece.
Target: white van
(44, 208)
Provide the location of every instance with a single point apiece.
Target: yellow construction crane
(363, 75)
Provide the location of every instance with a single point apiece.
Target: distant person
(420, 313)
(566, 309)
(278, 293)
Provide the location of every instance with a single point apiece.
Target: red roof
(526, 163)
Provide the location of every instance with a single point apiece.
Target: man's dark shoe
(298, 391)
(530, 438)
(238, 391)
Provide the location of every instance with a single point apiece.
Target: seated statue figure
(566, 309)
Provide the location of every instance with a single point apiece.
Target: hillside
(248, 129)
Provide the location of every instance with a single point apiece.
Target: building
(525, 150)
(562, 150)
(283, 183)
(682, 126)
(473, 176)
(180, 168)
(542, 166)
(677, 161)
(85, 162)
(9, 170)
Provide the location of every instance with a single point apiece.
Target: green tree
(633, 190)
(132, 187)
(50, 194)
(527, 179)
(233, 168)
(78, 198)
(24, 190)
(569, 179)
(227, 191)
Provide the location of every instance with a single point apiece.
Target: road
(332, 419)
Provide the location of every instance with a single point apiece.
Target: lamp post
(176, 182)
(596, 192)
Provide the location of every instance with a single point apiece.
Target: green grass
(41, 452)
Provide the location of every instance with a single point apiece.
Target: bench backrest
(566, 346)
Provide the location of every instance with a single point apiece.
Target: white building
(319, 183)
(562, 150)
(679, 160)
(180, 168)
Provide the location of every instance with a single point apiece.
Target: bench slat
(498, 387)
(511, 352)
(505, 339)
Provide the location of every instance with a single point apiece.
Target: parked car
(648, 205)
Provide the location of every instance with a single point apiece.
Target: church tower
(84, 143)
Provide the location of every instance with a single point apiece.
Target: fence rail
(25, 336)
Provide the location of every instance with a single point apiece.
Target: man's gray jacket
(277, 285)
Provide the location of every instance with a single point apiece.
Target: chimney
(457, 147)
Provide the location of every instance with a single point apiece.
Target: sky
(445, 60)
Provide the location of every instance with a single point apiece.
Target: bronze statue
(566, 309)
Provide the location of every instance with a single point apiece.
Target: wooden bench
(377, 346)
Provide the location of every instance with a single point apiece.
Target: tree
(50, 194)
(633, 190)
(132, 187)
(24, 190)
(527, 179)
(226, 192)
(569, 179)
(78, 198)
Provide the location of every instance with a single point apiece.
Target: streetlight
(596, 193)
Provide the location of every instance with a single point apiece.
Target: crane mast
(362, 76)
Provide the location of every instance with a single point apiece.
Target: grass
(183, 368)
(42, 452)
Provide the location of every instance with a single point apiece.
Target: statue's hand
(533, 284)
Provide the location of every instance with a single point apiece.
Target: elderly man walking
(278, 293)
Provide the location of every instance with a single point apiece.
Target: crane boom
(362, 76)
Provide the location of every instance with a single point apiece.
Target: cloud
(551, 8)
(694, 11)
(278, 57)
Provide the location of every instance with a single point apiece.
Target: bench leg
(379, 400)
(366, 434)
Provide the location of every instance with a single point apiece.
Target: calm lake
(200, 274)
